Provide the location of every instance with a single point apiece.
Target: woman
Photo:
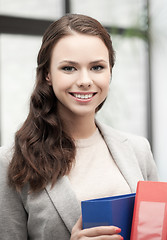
(62, 155)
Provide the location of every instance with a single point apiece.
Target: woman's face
(79, 74)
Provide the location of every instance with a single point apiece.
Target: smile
(83, 96)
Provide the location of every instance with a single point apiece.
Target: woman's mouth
(83, 96)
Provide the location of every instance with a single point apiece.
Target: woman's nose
(84, 79)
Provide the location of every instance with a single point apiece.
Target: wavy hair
(43, 151)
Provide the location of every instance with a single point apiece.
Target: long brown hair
(43, 151)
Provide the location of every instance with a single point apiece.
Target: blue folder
(116, 211)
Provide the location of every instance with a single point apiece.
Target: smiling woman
(62, 155)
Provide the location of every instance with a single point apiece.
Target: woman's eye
(69, 69)
(97, 68)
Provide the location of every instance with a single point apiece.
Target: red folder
(150, 211)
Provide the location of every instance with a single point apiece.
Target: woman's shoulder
(5, 158)
(121, 136)
(5, 155)
(138, 145)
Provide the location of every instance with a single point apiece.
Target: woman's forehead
(80, 45)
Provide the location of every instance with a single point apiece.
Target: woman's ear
(48, 79)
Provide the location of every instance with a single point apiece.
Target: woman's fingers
(100, 231)
(105, 237)
(97, 233)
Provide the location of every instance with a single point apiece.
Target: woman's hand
(97, 233)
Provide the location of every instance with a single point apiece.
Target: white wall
(158, 14)
(49, 9)
(18, 68)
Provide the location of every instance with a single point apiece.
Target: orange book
(150, 211)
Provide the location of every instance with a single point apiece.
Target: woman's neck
(80, 127)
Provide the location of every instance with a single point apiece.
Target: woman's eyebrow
(98, 61)
(69, 62)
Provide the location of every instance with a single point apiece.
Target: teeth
(83, 96)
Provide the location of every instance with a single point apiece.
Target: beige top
(95, 173)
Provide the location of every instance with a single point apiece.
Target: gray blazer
(52, 213)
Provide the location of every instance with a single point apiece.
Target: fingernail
(122, 238)
(118, 230)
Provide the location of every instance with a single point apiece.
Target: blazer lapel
(65, 202)
(123, 155)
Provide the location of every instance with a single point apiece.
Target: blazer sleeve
(13, 217)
